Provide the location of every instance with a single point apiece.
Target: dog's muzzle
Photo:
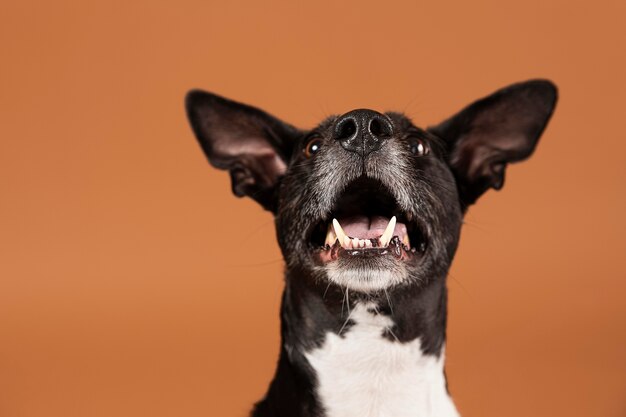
(367, 222)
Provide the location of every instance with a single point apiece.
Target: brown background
(133, 284)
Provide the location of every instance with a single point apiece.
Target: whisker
(458, 282)
(344, 324)
(388, 301)
(393, 334)
(326, 290)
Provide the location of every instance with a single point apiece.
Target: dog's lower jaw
(361, 356)
(368, 281)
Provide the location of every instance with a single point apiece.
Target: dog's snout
(362, 131)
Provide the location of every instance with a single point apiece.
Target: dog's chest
(363, 373)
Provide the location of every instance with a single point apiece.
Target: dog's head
(368, 200)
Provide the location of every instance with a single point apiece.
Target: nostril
(380, 128)
(345, 129)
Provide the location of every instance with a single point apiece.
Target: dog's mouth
(367, 221)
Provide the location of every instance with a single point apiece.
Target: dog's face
(367, 200)
(349, 180)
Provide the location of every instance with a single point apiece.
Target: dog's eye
(418, 147)
(312, 147)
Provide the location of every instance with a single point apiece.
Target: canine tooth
(406, 241)
(388, 233)
(341, 235)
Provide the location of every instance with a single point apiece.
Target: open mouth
(367, 222)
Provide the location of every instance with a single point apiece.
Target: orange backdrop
(132, 283)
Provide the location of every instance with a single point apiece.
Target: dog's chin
(366, 275)
(367, 269)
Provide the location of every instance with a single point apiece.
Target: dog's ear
(488, 134)
(252, 145)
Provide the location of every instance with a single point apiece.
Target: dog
(368, 210)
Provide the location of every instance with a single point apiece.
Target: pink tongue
(364, 227)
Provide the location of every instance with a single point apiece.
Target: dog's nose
(362, 131)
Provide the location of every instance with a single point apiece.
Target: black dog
(368, 211)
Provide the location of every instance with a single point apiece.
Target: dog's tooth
(406, 241)
(346, 242)
(341, 235)
(361, 243)
(388, 233)
(368, 243)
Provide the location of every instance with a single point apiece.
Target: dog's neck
(346, 354)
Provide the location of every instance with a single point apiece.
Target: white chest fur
(364, 374)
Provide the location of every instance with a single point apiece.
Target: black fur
(267, 160)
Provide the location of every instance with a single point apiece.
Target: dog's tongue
(364, 227)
